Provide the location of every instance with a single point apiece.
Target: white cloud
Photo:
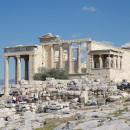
(76, 35)
(89, 8)
(15, 42)
(107, 42)
(126, 44)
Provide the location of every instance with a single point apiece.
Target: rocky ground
(113, 116)
(69, 105)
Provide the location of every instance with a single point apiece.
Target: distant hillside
(11, 81)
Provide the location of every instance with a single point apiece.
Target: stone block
(2, 122)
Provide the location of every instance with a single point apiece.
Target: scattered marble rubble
(58, 96)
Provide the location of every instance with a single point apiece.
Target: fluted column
(118, 62)
(52, 53)
(61, 56)
(100, 61)
(70, 58)
(6, 92)
(92, 61)
(18, 69)
(79, 58)
(15, 70)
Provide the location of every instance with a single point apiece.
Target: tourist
(26, 97)
(14, 98)
(35, 97)
(21, 97)
(8, 100)
(17, 98)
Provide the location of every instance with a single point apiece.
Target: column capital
(18, 56)
(61, 44)
(70, 43)
(51, 45)
(7, 57)
(79, 43)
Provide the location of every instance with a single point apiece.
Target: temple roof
(48, 35)
(20, 46)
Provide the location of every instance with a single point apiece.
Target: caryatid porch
(103, 61)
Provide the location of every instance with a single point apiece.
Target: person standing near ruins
(14, 98)
(20, 97)
(17, 98)
(36, 97)
(8, 100)
(26, 97)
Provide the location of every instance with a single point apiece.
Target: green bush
(44, 73)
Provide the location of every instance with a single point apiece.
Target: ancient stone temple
(104, 61)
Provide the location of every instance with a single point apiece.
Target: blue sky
(22, 21)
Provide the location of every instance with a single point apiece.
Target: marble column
(52, 55)
(26, 68)
(15, 70)
(34, 63)
(18, 69)
(79, 57)
(6, 92)
(100, 61)
(60, 56)
(118, 62)
(92, 61)
(69, 58)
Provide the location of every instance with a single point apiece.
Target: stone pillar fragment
(6, 92)
(15, 70)
(79, 58)
(70, 58)
(18, 69)
(61, 56)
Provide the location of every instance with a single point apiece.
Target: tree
(44, 73)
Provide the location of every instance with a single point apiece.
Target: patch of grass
(87, 108)
(101, 109)
(45, 122)
(119, 112)
(123, 118)
(100, 124)
(127, 104)
(22, 121)
(52, 123)
(79, 122)
(109, 118)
